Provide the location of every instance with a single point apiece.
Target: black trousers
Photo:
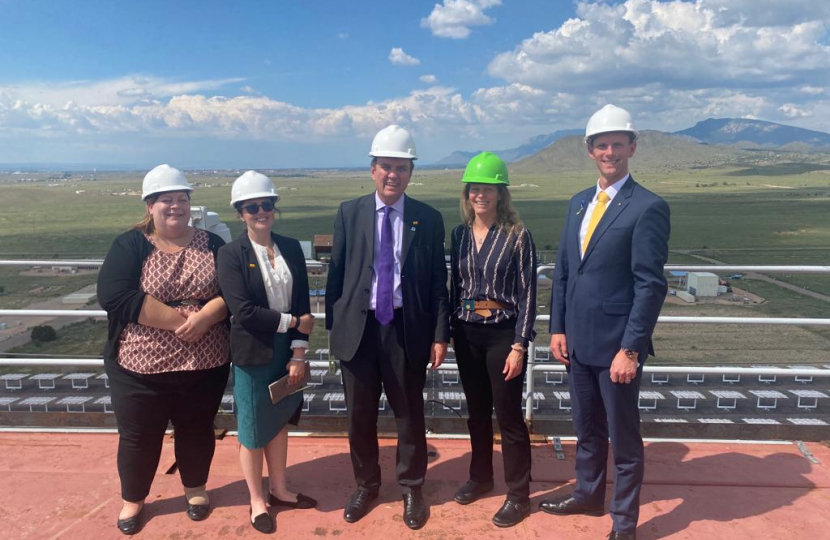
(381, 362)
(480, 352)
(602, 409)
(143, 405)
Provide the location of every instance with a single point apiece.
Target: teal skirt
(257, 419)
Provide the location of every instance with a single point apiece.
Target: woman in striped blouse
(493, 298)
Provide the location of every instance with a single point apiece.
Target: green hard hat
(486, 168)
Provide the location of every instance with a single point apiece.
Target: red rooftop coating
(65, 486)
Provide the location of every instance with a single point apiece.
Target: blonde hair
(507, 217)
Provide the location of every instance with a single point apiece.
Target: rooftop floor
(65, 486)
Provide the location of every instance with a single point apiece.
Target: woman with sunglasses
(265, 283)
(167, 346)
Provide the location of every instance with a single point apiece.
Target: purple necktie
(384, 306)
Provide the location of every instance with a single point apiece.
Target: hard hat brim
(392, 154)
(166, 190)
(484, 180)
(260, 195)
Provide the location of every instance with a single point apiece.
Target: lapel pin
(581, 206)
(251, 265)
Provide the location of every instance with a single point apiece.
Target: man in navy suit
(386, 308)
(608, 289)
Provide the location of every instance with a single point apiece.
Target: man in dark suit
(386, 308)
(608, 290)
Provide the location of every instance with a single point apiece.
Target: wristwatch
(630, 353)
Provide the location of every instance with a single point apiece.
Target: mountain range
(710, 142)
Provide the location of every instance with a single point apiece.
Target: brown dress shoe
(567, 505)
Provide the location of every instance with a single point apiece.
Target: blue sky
(306, 84)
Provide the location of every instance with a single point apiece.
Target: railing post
(531, 361)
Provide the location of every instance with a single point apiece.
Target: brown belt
(482, 307)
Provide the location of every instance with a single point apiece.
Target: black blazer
(423, 278)
(253, 323)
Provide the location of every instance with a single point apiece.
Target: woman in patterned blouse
(167, 349)
(493, 299)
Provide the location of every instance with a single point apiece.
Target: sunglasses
(253, 208)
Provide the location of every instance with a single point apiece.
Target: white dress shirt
(611, 191)
(396, 215)
(278, 284)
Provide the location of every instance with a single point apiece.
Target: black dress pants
(381, 363)
(144, 404)
(481, 351)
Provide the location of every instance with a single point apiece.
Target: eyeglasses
(253, 208)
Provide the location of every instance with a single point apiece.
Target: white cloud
(343, 35)
(453, 18)
(119, 91)
(248, 89)
(679, 44)
(399, 58)
(428, 79)
(792, 111)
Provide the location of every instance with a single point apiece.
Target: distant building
(702, 284)
(322, 246)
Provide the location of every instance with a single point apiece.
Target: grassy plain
(737, 215)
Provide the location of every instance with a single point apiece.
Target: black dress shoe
(358, 505)
(511, 513)
(264, 523)
(415, 511)
(567, 505)
(198, 512)
(614, 535)
(303, 502)
(472, 491)
(131, 525)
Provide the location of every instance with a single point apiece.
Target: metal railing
(533, 365)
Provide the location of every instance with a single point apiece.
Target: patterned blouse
(503, 270)
(187, 276)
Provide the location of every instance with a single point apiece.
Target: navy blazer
(611, 298)
(423, 277)
(254, 323)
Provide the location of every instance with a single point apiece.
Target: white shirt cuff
(285, 320)
(299, 344)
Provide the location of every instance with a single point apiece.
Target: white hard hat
(393, 141)
(164, 178)
(253, 185)
(607, 119)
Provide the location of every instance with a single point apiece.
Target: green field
(735, 215)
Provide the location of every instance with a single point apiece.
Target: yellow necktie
(599, 210)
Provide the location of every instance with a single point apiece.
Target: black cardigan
(254, 323)
(119, 291)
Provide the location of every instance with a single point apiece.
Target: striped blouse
(503, 270)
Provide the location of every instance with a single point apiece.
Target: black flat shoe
(511, 513)
(131, 525)
(264, 523)
(415, 510)
(472, 491)
(198, 512)
(304, 502)
(358, 505)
